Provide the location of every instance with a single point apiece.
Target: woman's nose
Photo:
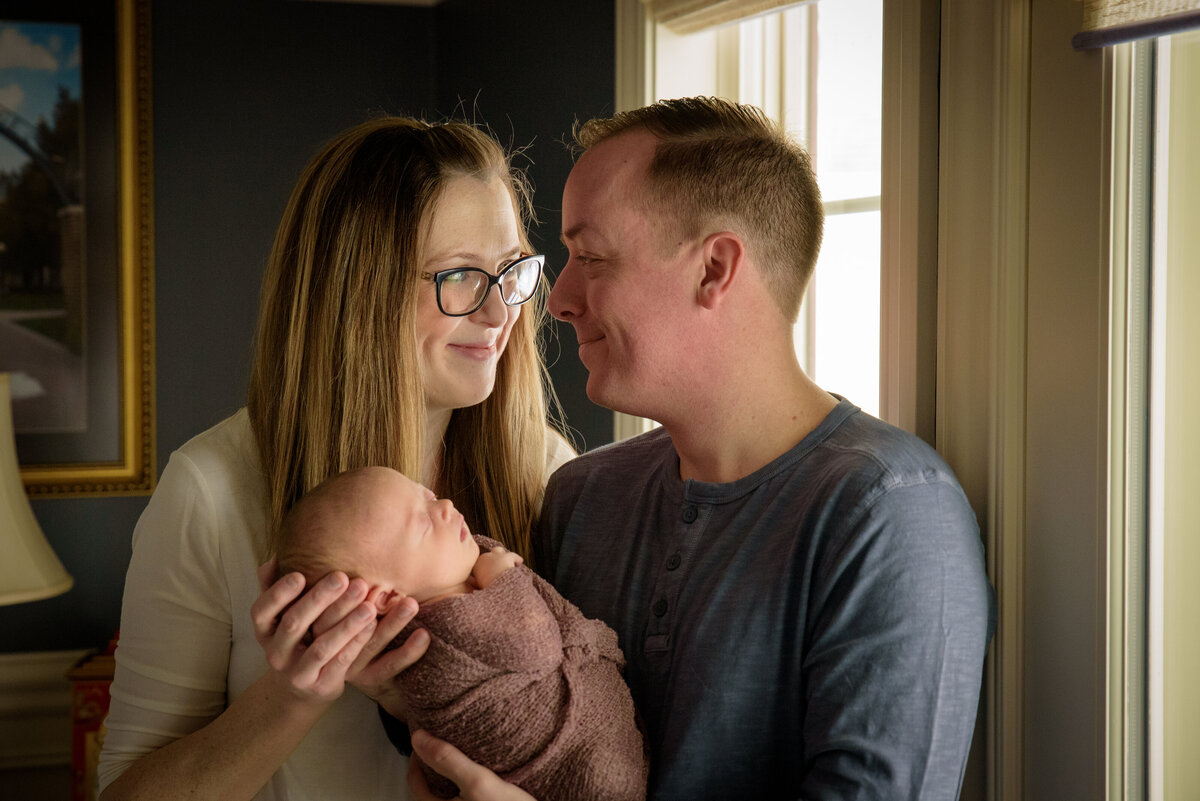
(493, 313)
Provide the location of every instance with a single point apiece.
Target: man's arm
(475, 782)
(903, 614)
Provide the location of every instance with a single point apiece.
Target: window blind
(690, 16)
(1110, 22)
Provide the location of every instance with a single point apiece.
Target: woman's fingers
(335, 590)
(284, 617)
(337, 609)
(265, 611)
(390, 626)
(266, 574)
(375, 673)
(402, 657)
(284, 640)
(378, 680)
(323, 665)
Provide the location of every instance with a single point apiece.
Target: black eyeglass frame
(492, 280)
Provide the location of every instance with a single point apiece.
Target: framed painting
(76, 243)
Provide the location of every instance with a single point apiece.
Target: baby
(515, 676)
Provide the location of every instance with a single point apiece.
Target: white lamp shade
(29, 568)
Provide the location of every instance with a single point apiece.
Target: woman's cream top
(187, 646)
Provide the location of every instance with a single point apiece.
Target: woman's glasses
(463, 290)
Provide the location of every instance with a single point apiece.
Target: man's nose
(565, 301)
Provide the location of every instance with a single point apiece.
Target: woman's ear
(724, 255)
(383, 599)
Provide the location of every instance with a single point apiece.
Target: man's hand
(475, 782)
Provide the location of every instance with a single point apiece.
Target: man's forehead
(627, 154)
(608, 175)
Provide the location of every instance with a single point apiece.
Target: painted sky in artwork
(35, 60)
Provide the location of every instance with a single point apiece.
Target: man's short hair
(719, 163)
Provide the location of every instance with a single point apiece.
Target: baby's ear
(383, 599)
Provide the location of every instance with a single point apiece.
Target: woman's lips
(479, 351)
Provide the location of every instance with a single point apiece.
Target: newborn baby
(514, 676)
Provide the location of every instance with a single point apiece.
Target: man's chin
(597, 390)
(606, 393)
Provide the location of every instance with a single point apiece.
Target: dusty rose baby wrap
(520, 681)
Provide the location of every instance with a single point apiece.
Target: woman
(380, 342)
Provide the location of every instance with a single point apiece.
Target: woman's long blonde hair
(336, 380)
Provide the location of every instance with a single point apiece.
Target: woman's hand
(314, 668)
(475, 782)
(376, 674)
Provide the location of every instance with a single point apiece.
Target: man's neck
(740, 432)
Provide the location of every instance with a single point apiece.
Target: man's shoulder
(881, 453)
(878, 480)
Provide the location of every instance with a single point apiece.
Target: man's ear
(383, 599)
(724, 256)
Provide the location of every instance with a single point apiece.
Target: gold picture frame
(128, 429)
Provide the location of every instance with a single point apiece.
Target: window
(1155, 441)
(817, 69)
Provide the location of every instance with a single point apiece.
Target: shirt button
(690, 514)
(673, 561)
(660, 607)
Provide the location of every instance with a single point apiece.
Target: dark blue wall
(244, 93)
(531, 69)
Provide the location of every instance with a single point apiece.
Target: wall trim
(983, 256)
(634, 55)
(35, 708)
(908, 219)
(1006, 423)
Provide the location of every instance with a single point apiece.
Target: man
(798, 587)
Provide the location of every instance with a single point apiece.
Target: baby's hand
(490, 565)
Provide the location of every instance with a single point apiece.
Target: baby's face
(423, 539)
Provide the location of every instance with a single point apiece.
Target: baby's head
(378, 524)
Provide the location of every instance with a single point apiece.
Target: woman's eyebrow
(466, 255)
